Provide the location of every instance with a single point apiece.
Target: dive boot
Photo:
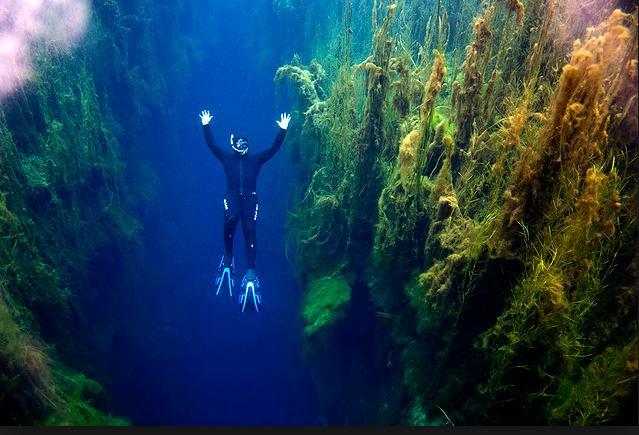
(250, 297)
(225, 274)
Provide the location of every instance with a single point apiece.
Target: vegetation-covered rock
(325, 303)
(502, 264)
(69, 203)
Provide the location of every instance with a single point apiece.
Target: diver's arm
(208, 136)
(279, 139)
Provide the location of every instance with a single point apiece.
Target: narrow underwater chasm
(448, 236)
(111, 226)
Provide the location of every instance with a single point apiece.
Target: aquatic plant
(575, 137)
(70, 188)
(325, 302)
(402, 204)
(77, 394)
(466, 101)
(370, 143)
(516, 7)
(307, 79)
(502, 259)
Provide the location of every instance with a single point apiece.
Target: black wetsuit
(241, 201)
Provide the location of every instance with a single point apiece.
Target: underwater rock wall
(464, 221)
(74, 184)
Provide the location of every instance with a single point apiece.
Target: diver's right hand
(206, 117)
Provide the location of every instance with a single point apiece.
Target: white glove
(284, 120)
(206, 117)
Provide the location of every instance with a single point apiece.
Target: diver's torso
(241, 174)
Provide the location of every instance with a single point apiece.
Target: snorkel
(240, 146)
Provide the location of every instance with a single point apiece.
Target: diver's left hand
(284, 120)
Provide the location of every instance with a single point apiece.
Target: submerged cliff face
(74, 184)
(467, 207)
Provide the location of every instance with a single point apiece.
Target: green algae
(67, 195)
(77, 394)
(325, 303)
(503, 223)
(44, 209)
(33, 379)
(594, 396)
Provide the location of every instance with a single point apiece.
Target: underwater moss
(502, 262)
(325, 303)
(30, 379)
(408, 155)
(370, 144)
(24, 373)
(77, 394)
(307, 79)
(601, 390)
(516, 7)
(467, 99)
(576, 127)
(66, 195)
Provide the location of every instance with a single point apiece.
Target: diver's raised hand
(206, 117)
(284, 120)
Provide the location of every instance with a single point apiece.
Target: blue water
(206, 363)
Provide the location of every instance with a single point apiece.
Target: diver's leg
(232, 213)
(250, 296)
(225, 272)
(249, 220)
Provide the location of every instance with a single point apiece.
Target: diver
(241, 204)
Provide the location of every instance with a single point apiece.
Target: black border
(327, 429)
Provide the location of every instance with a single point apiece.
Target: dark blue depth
(209, 364)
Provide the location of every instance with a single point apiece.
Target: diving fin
(250, 297)
(225, 274)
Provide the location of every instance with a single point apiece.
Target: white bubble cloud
(26, 23)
